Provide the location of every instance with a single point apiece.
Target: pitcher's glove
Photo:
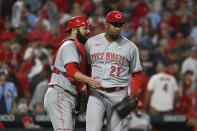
(128, 104)
(81, 102)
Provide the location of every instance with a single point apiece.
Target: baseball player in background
(67, 78)
(113, 58)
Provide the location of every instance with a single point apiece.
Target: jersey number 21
(115, 71)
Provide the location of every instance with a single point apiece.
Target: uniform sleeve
(71, 69)
(87, 49)
(136, 81)
(69, 53)
(151, 83)
(135, 64)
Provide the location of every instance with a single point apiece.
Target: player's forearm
(91, 81)
(81, 77)
(72, 71)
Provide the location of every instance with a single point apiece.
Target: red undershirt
(136, 82)
(71, 69)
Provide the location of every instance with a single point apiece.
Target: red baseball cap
(115, 16)
(26, 119)
(77, 21)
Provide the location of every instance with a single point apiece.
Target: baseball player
(69, 66)
(113, 58)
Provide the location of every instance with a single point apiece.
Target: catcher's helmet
(77, 21)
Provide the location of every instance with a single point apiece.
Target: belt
(111, 89)
(52, 86)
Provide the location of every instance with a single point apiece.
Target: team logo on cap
(118, 16)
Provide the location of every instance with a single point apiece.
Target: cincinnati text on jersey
(109, 56)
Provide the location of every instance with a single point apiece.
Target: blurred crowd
(165, 32)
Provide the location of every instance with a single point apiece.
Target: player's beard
(82, 39)
(114, 37)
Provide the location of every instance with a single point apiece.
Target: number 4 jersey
(164, 87)
(112, 62)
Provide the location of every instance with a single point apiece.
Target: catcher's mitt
(128, 104)
(81, 102)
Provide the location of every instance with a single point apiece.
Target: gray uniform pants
(99, 104)
(60, 106)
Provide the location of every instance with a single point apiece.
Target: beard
(114, 37)
(82, 39)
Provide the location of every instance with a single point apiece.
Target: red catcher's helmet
(77, 21)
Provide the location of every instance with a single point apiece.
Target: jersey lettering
(98, 56)
(109, 56)
(94, 56)
(113, 70)
(116, 58)
(118, 71)
(112, 57)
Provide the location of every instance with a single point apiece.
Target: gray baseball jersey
(112, 62)
(67, 53)
(58, 103)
